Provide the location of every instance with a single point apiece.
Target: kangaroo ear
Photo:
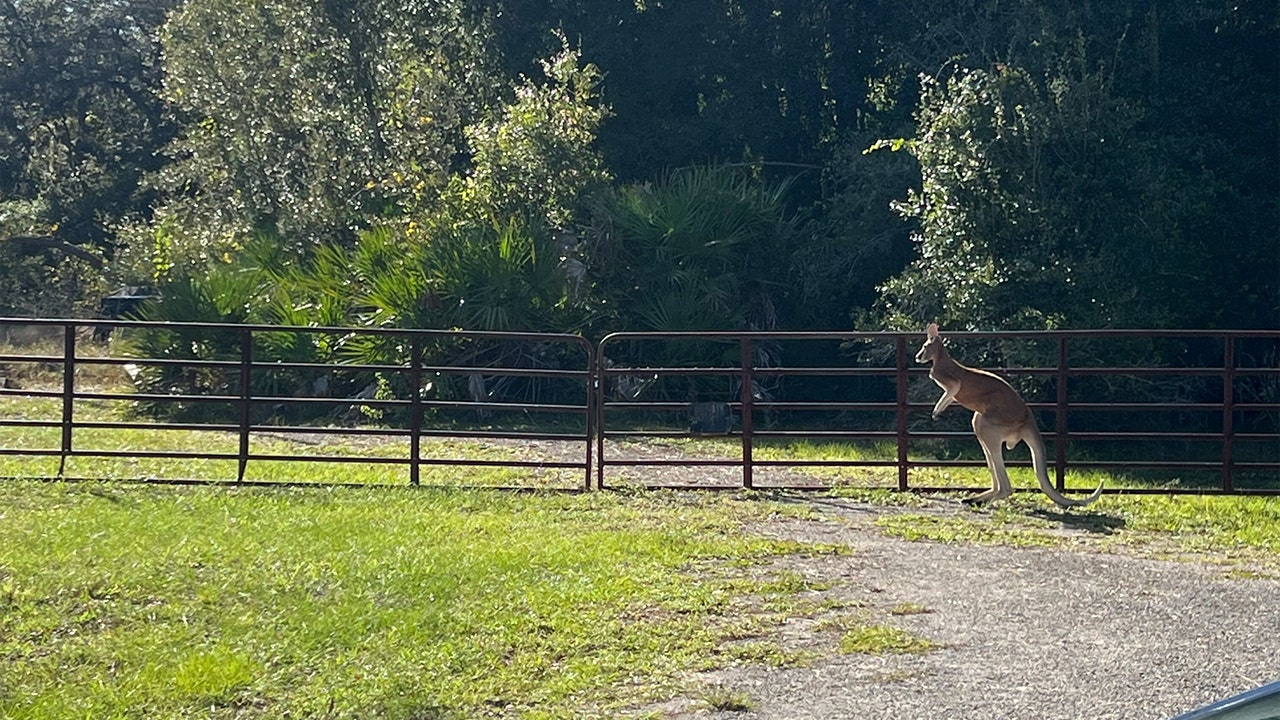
(932, 330)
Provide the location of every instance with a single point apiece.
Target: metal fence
(242, 398)
(1224, 396)
(578, 415)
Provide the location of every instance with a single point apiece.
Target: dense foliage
(587, 166)
(80, 127)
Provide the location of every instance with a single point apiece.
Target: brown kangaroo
(999, 415)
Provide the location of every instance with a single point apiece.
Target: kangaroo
(999, 415)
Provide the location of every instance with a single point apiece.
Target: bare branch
(52, 242)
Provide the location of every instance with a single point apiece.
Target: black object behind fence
(1223, 402)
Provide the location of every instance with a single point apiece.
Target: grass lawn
(1235, 532)
(147, 601)
(150, 601)
(125, 600)
(1020, 474)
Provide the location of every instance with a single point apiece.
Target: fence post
(592, 399)
(748, 380)
(68, 393)
(901, 392)
(1228, 408)
(598, 394)
(246, 366)
(415, 409)
(1060, 418)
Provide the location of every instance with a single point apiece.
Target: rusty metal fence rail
(561, 406)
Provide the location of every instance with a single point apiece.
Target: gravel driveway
(1035, 633)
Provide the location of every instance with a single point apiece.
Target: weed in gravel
(790, 583)
(884, 639)
(909, 608)
(722, 699)
(764, 652)
(1246, 574)
(892, 677)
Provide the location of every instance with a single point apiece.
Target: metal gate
(718, 410)
(413, 413)
(1227, 400)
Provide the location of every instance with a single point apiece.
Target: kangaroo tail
(1038, 460)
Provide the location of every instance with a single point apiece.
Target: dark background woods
(589, 166)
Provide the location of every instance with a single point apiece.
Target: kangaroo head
(932, 347)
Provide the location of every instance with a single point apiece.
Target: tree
(80, 125)
(309, 121)
(699, 83)
(534, 159)
(1005, 237)
(1076, 187)
(705, 248)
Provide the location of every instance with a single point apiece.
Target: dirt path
(1041, 633)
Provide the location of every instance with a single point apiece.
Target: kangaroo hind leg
(990, 437)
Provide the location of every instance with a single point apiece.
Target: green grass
(1221, 529)
(862, 478)
(144, 601)
(966, 477)
(1224, 527)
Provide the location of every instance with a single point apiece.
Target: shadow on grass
(1094, 522)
